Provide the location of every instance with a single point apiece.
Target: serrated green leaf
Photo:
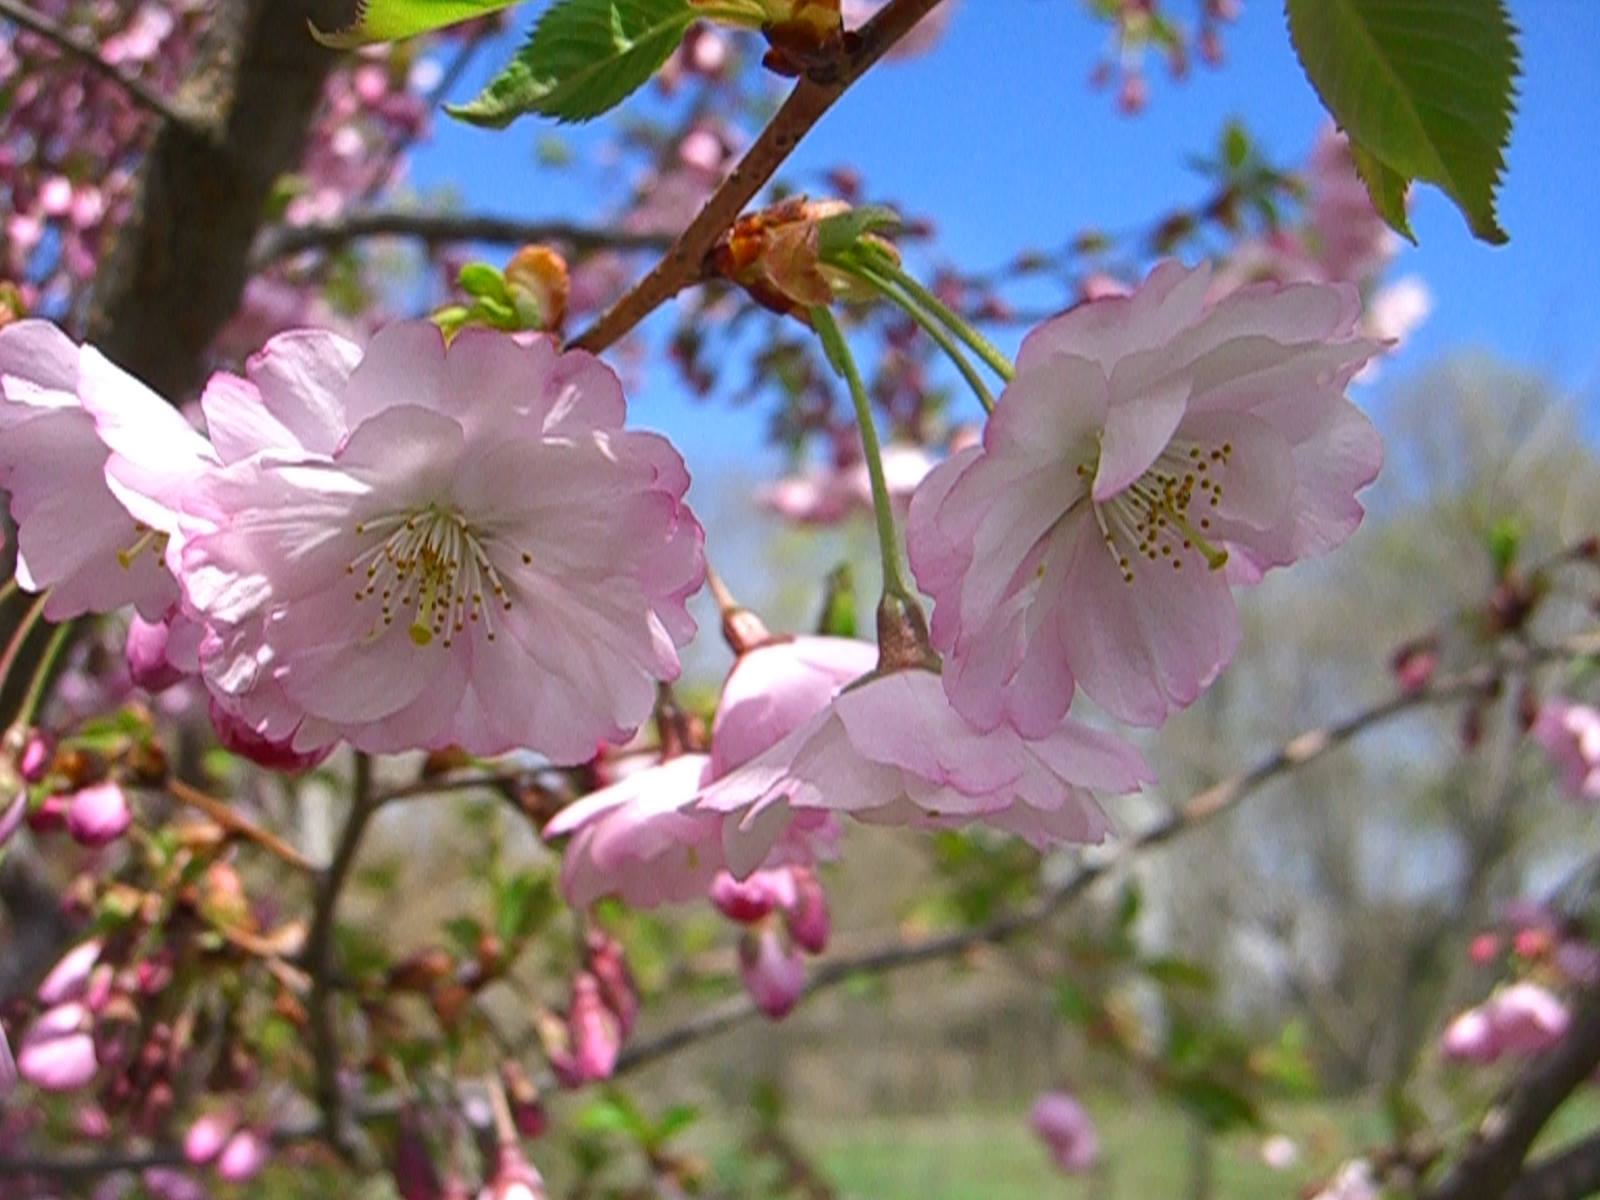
(1387, 189)
(1423, 87)
(583, 58)
(395, 20)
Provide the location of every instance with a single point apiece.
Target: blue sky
(997, 136)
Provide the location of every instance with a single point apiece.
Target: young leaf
(583, 58)
(395, 20)
(1424, 89)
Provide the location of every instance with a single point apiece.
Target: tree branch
(1570, 1175)
(1492, 1161)
(286, 240)
(684, 264)
(224, 815)
(319, 955)
(67, 42)
(178, 265)
(1200, 809)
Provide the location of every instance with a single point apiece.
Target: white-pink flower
(76, 537)
(1570, 734)
(1520, 1020)
(892, 750)
(1067, 1131)
(640, 839)
(470, 549)
(1152, 450)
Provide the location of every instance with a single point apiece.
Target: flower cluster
(418, 545)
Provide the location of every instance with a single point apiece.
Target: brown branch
(86, 53)
(224, 815)
(1490, 1164)
(319, 956)
(684, 264)
(286, 240)
(1570, 1175)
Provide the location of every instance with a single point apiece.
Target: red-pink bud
(610, 969)
(415, 1176)
(807, 918)
(595, 1031)
(239, 738)
(69, 977)
(773, 972)
(745, 901)
(34, 761)
(1484, 949)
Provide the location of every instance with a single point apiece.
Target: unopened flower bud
(415, 1175)
(541, 275)
(242, 1157)
(773, 972)
(807, 918)
(146, 654)
(98, 815)
(206, 1137)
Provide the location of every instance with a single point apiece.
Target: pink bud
(50, 815)
(34, 760)
(146, 654)
(807, 917)
(1532, 943)
(243, 1157)
(415, 1176)
(1483, 949)
(98, 815)
(1527, 1018)
(1067, 1132)
(748, 901)
(610, 969)
(67, 978)
(55, 197)
(1470, 1038)
(57, 1052)
(239, 738)
(206, 1137)
(595, 1031)
(1133, 95)
(773, 972)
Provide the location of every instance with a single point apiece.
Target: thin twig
(284, 241)
(224, 815)
(684, 264)
(319, 955)
(69, 43)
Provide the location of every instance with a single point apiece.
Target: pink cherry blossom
(74, 537)
(773, 972)
(1351, 240)
(471, 551)
(1146, 443)
(98, 815)
(1470, 1038)
(1570, 734)
(1517, 1021)
(56, 1054)
(748, 901)
(893, 751)
(593, 1036)
(1067, 1132)
(640, 840)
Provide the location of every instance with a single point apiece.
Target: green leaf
(1175, 972)
(839, 233)
(1387, 188)
(838, 617)
(1216, 1104)
(584, 57)
(1425, 90)
(393, 20)
(482, 280)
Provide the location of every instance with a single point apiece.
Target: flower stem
(838, 350)
(41, 673)
(894, 292)
(979, 345)
(24, 627)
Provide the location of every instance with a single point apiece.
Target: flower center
(432, 564)
(1152, 516)
(145, 539)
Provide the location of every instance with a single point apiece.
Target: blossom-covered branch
(1198, 810)
(146, 97)
(683, 265)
